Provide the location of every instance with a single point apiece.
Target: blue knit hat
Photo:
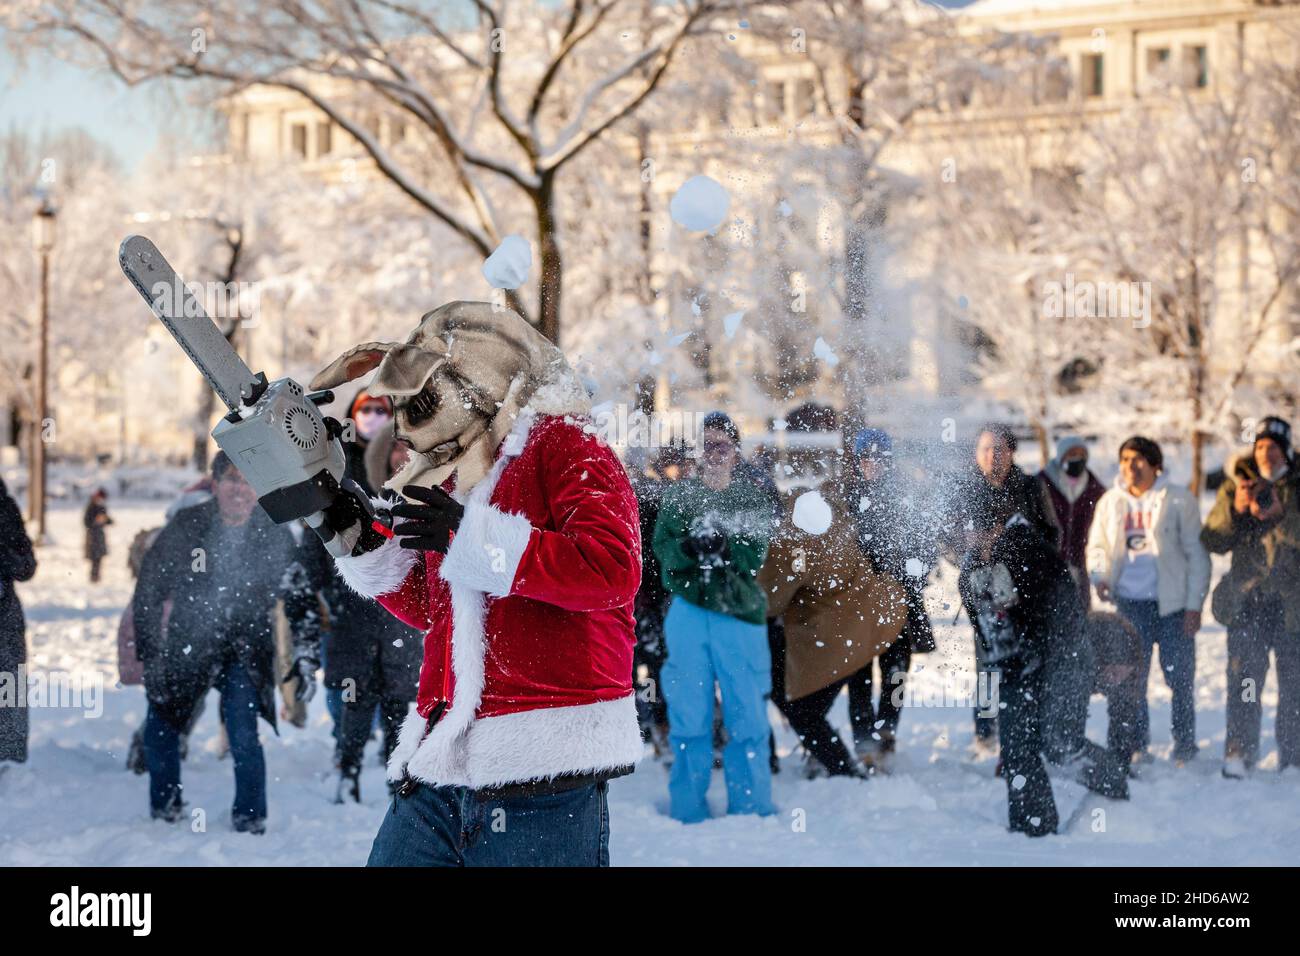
(873, 443)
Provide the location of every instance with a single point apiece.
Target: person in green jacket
(1256, 517)
(711, 540)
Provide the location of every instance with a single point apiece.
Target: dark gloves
(304, 669)
(349, 522)
(432, 522)
(706, 545)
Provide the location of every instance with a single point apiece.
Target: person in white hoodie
(1145, 554)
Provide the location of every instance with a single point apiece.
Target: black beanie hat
(221, 463)
(723, 423)
(1278, 430)
(1147, 449)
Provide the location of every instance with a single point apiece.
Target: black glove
(351, 515)
(706, 544)
(431, 523)
(304, 668)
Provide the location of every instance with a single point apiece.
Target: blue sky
(48, 95)
(45, 95)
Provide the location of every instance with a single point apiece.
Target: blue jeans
(706, 647)
(1177, 661)
(453, 826)
(239, 712)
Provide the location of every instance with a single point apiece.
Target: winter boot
(170, 812)
(1105, 778)
(253, 825)
(1235, 768)
(349, 786)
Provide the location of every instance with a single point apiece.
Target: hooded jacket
(1182, 563)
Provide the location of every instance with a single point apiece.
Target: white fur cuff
(377, 572)
(487, 549)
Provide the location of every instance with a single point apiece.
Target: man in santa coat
(517, 550)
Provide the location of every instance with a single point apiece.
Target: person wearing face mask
(372, 415)
(1144, 553)
(1070, 495)
(1256, 519)
(222, 565)
(372, 659)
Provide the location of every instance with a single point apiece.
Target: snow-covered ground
(74, 804)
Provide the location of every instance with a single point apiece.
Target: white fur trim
(377, 572)
(562, 394)
(464, 751)
(530, 745)
(487, 549)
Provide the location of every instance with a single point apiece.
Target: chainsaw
(273, 432)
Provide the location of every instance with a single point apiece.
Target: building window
(324, 139)
(1196, 66)
(805, 99)
(298, 139)
(1094, 72)
(774, 101)
(1157, 58)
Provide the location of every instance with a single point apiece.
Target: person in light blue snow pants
(703, 647)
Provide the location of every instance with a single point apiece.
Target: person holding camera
(711, 539)
(1256, 517)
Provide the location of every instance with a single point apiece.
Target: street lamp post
(43, 235)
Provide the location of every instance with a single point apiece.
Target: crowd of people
(749, 595)
(745, 600)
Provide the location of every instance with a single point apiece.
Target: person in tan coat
(838, 613)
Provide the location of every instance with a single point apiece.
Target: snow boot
(170, 812)
(349, 786)
(253, 825)
(1234, 768)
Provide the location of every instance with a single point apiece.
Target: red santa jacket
(528, 617)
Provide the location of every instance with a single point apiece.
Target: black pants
(357, 721)
(1031, 807)
(807, 715)
(879, 722)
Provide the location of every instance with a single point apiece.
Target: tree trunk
(550, 282)
(1040, 436)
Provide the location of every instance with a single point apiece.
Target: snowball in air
(811, 513)
(509, 264)
(730, 323)
(915, 568)
(824, 352)
(700, 204)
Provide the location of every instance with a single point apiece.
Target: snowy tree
(81, 178)
(1189, 196)
(505, 96)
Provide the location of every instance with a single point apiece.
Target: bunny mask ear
(352, 364)
(405, 370)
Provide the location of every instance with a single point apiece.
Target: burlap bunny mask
(457, 384)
